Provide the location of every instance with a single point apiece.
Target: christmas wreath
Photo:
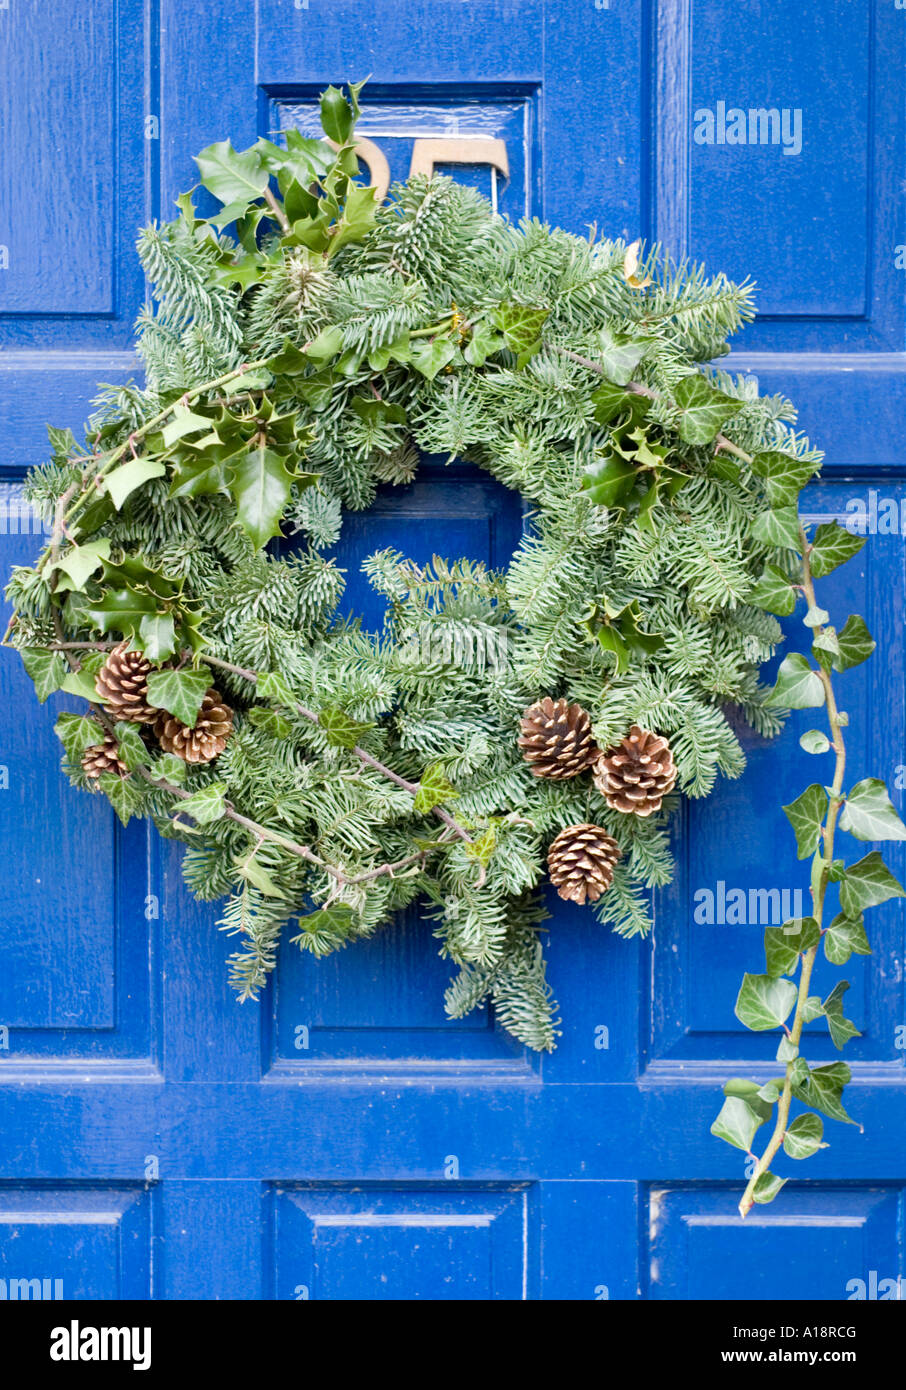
(503, 725)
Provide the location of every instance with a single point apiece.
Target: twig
(277, 210)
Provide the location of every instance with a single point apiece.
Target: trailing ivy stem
(821, 869)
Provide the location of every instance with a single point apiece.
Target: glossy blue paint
(341, 1140)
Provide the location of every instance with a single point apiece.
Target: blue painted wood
(341, 1139)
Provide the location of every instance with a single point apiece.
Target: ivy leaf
(341, 729)
(81, 684)
(130, 746)
(825, 648)
(47, 670)
(610, 400)
(815, 617)
(739, 1118)
(620, 355)
(261, 486)
(841, 1029)
(774, 592)
(231, 176)
(866, 884)
(812, 1009)
(803, 1137)
(784, 477)
(271, 721)
(521, 328)
(787, 1050)
(784, 945)
(157, 636)
(433, 789)
(814, 741)
(326, 929)
(81, 562)
(805, 815)
(272, 686)
(798, 685)
(764, 1002)
(206, 805)
(741, 1086)
(483, 846)
(855, 643)
(484, 343)
(77, 732)
(170, 768)
(429, 358)
(822, 1088)
(180, 692)
(869, 814)
(833, 545)
(704, 409)
(124, 479)
(844, 936)
(123, 795)
(779, 527)
(255, 873)
(766, 1188)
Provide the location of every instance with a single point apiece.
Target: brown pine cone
(122, 684)
(103, 757)
(635, 776)
(580, 862)
(556, 739)
(207, 740)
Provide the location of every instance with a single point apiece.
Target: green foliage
(302, 347)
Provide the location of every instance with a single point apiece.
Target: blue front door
(340, 1140)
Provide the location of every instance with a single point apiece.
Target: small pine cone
(103, 757)
(556, 739)
(580, 862)
(122, 684)
(635, 776)
(207, 740)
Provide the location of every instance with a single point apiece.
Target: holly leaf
(157, 636)
(184, 422)
(80, 562)
(207, 474)
(803, 1137)
(121, 610)
(77, 732)
(231, 176)
(805, 815)
(358, 218)
(774, 592)
(798, 685)
(521, 328)
(779, 528)
(854, 642)
(180, 692)
(764, 1002)
(704, 409)
(784, 477)
(866, 884)
(784, 945)
(341, 729)
(868, 813)
(206, 805)
(739, 1118)
(609, 481)
(822, 1088)
(122, 793)
(833, 545)
(255, 873)
(337, 116)
(841, 1029)
(434, 788)
(124, 479)
(844, 936)
(47, 670)
(260, 485)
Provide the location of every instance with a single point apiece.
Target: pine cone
(122, 684)
(580, 862)
(556, 739)
(103, 757)
(635, 776)
(207, 740)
